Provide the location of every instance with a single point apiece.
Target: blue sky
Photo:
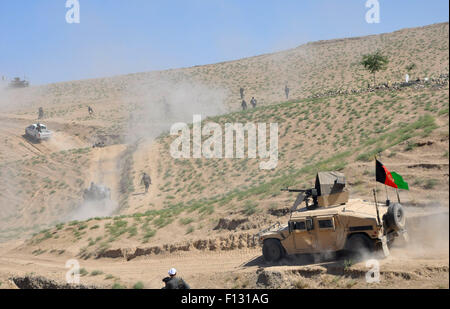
(126, 36)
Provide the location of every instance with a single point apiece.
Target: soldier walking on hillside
(40, 113)
(147, 181)
(167, 110)
(286, 90)
(242, 93)
(175, 283)
(90, 110)
(253, 102)
(244, 105)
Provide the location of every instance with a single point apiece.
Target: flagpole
(376, 207)
(375, 192)
(398, 196)
(387, 196)
(385, 187)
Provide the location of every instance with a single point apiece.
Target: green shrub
(96, 273)
(249, 208)
(149, 234)
(83, 272)
(138, 286)
(430, 183)
(118, 286)
(186, 221)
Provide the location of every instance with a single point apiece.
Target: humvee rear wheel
(358, 244)
(272, 250)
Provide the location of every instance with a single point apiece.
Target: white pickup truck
(38, 132)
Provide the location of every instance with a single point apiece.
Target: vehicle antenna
(376, 206)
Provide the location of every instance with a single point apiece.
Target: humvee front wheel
(272, 250)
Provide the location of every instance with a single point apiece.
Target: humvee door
(302, 234)
(326, 234)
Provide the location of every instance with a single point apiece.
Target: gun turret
(329, 190)
(304, 195)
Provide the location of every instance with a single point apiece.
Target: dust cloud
(4, 96)
(9, 182)
(93, 209)
(428, 231)
(16, 99)
(155, 104)
(162, 102)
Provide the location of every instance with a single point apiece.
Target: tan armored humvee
(333, 223)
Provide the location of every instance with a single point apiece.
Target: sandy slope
(405, 268)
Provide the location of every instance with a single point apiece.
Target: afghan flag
(401, 184)
(393, 179)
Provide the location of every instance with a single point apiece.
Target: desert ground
(200, 215)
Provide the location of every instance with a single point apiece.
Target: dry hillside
(219, 204)
(311, 68)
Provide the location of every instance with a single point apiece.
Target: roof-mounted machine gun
(328, 191)
(304, 195)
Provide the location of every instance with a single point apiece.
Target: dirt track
(405, 268)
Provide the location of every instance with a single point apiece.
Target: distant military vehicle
(332, 223)
(38, 132)
(18, 83)
(100, 144)
(97, 193)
